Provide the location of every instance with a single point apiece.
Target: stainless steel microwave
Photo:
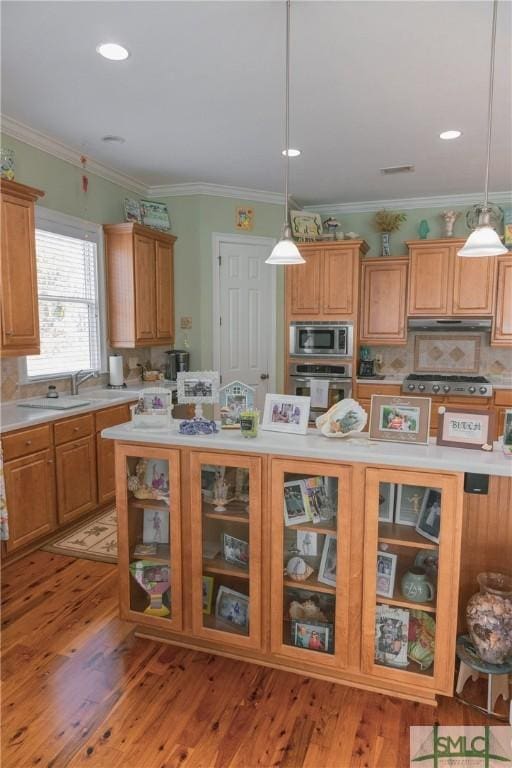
(319, 339)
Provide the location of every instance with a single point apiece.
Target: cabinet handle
(28, 442)
(76, 429)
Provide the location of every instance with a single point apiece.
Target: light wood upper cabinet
(502, 326)
(384, 287)
(19, 317)
(326, 286)
(139, 285)
(441, 283)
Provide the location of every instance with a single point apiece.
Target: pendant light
(285, 251)
(484, 240)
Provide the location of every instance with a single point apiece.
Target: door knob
(264, 376)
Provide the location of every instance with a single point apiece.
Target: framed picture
(235, 551)
(391, 635)
(244, 218)
(132, 211)
(400, 419)
(465, 427)
(157, 478)
(198, 386)
(386, 502)
(307, 543)
(312, 636)
(409, 501)
(207, 593)
(322, 507)
(429, 520)
(234, 398)
(232, 607)
(156, 526)
(327, 569)
(286, 413)
(155, 215)
(296, 503)
(507, 433)
(306, 225)
(386, 571)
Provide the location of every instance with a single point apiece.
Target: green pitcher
(416, 587)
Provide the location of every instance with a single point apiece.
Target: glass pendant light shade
(484, 241)
(285, 251)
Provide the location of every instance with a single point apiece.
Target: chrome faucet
(76, 379)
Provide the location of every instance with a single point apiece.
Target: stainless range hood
(450, 324)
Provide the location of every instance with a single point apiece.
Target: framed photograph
(286, 413)
(198, 386)
(296, 503)
(155, 215)
(391, 635)
(156, 526)
(386, 571)
(386, 502)
(307, 543)
(234, 398)
(312, 636)
(322, 507)
(507, 433)
(232, 607)
(327, 568)
(132, 211)
(465, 427)
(157, 478)
(306, 225)
(244, 219)
(429, 521)
(400, 419)
(207, 593)
(235, 551)
(409, 502)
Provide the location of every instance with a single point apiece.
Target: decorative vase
(489, 617)
(423, 229)
(385, 239)
(7, 161)
(416, 587)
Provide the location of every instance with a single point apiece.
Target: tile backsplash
(396, 361)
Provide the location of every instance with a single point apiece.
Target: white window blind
(67, 280)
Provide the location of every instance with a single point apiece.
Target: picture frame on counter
(197, 387)
(400, 419)
(286, 413)
(386, 502)
(465, 427)
(234, 398)
(409, 502)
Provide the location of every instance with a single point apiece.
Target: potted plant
(387, 222)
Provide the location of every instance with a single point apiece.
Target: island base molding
(345, 571)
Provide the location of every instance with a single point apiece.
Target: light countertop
(315, 446)
(14, 417)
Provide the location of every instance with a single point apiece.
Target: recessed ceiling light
(113, 139)
(447, 135)
(291, 152)
(112, 51)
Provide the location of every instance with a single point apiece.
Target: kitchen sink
(55, 403)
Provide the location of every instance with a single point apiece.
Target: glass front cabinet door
(149, 519)
(226, 548)
(310, 548)
(411, 575)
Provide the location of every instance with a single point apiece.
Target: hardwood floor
(79, 689)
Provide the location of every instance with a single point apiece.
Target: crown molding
(215, 190)
(67, 153)
(411, 203)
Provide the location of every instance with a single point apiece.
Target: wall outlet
(185, 323)
(132, 363)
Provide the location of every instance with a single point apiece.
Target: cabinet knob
(76, 429)
(28, 442)
(9, 333)
(50, 461)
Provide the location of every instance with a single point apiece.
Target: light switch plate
(185, 323)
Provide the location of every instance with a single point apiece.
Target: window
(69, 299)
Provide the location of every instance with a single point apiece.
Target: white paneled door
(246, 313)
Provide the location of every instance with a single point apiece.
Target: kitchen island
(339, 559)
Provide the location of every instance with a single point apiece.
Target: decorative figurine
(449, 218)
(220, 493)
(423, 229)
(331, 224)
(198, 426)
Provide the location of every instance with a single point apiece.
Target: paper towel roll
(115, 370)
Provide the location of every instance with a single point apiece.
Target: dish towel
(319, 389)
(4, 524)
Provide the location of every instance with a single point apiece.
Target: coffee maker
(366, 364)
(177, 360)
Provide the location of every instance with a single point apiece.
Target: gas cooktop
(433, 384)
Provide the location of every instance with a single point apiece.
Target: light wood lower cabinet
(287, 572)
(30, 490)
(76, 478)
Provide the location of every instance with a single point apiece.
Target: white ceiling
(201, 96)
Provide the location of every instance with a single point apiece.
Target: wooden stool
(497, 677)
